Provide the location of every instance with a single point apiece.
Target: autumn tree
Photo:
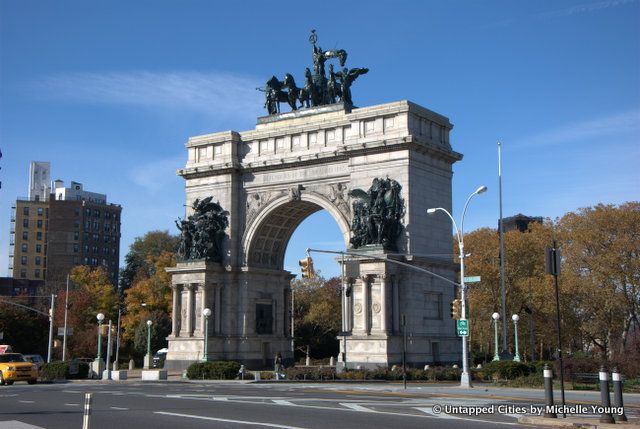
(90, 293)
(601, 255)
(146, 290)
(317, 316)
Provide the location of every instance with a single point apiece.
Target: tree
(317, 317)
(601, 252)
(152, 244)
(25, 330)
(160, 329)
(90, 293)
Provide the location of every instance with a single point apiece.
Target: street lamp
(100, 318)
(496, 317)
(515, 319)
(206, 313)
(148, 357)
(465, 379)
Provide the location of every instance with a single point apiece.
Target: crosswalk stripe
(356, 407)
(283, 402)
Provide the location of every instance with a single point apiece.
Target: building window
(25, 248)
(76, 235)
(77, 211)
(25, 223)
(38, 260)
(23, 274)
(46, 213)
(86, 261)
(39, 223)
(40, 211)
(38, 248)
(36, 273)
(23, 260)
(25, 235)
(76, 248)
(76, 260)
(38, 235)
(25, 211)
(86, 248)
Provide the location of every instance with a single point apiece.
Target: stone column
(345, 285)
(350, 307)
(384, 278)
(366, 311)
(203, 305)
(216, 309)
(190, 304)
(175, 310)
(396, 305)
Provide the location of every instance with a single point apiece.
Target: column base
(465, 380)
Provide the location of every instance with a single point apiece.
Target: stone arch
(266, 238)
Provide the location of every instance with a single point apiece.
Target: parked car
(14, 367)
(159, 358)
(37, 360)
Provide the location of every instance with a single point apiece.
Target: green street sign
(463, 328)
(472, 279)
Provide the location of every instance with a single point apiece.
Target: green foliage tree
(24, 330)
(160, 329)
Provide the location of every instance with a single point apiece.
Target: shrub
(56, 370)
(507, 370)
(267, 375)
(310, 373)
(216, 370)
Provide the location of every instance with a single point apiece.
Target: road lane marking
(71, 391)
(356, 407)
(119, 408)
(215, 419)
(27, 402)
(14, 424)
(283, 402)
(72, 405)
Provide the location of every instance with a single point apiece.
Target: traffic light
(456, 312)
(306, 266)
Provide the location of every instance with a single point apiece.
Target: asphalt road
(134, 404)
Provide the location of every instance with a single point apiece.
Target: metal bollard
(617, 395)
(606, 416)
(87, 411)
(548, 393)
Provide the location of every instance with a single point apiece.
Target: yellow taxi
(14, 367)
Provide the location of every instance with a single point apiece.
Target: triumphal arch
(375, 169)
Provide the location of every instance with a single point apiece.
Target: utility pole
(51, 310)
(66, 310)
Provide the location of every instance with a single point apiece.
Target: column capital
(384, 276)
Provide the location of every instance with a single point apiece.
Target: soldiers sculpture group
(319, 88)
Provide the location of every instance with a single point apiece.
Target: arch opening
(267, 241)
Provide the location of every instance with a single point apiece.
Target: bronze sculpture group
(377, 214)
(202, 233)
(318, 89)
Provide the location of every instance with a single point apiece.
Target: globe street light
(148, 357)
(496, 317)
(206, 313)
(515, 319)
(465, 379)
(100, 318)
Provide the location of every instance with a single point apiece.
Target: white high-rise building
(39, 179)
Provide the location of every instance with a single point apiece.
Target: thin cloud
(212, 94)
(584, 8)
(615, 124)
(156, 175)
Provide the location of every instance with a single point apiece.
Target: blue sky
(109, 92)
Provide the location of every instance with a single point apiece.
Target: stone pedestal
(154, 375)
(248, 323)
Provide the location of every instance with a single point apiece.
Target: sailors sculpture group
(319, 87)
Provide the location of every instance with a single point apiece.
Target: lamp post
(206, 313)
(496, 317)
(100, 318)
(148, 357)
(465, 379)
(515, 319)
